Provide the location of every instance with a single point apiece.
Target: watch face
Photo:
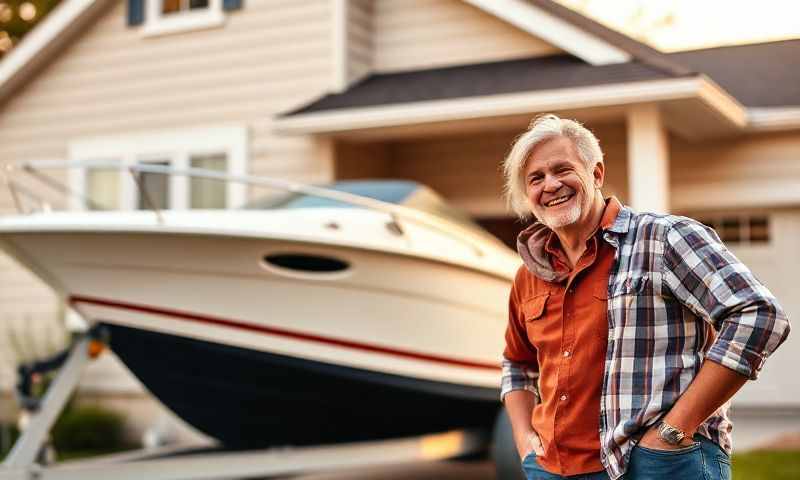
(670, 435)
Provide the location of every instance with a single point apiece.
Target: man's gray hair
(542, 128)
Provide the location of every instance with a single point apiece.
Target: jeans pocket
(532, 470)
(648, 463)
(672, 452)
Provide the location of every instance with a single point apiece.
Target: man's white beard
(562, 219)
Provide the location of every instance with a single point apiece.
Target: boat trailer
(189, 463)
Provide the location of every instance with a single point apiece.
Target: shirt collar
(616, 217)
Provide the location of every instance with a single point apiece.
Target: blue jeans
(702, 461)
(534, 472)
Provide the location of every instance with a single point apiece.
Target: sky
(688, 24)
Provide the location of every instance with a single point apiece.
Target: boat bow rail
(397, 213)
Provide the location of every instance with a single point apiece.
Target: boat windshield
(400, 192)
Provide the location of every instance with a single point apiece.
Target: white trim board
(548, 27)
(773, 118)
(345, 120)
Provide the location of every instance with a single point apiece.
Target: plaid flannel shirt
(671, 274)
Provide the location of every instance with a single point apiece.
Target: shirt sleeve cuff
(739, 359)
(518, 376)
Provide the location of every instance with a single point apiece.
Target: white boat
(358, 311)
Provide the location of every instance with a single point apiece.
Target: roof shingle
(512, 76)
(757, 75)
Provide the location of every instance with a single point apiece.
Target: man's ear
(599, 174)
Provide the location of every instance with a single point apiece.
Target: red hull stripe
(76, 299)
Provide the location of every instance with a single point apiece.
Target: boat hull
(389, 313)
(250, 399)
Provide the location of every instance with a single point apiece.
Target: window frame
(175, 146)
(744, 219)
(156, 23)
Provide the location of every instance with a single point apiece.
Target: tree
(18, 17)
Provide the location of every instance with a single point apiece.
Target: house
(429, 90)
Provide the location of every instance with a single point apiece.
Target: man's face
(558, 185)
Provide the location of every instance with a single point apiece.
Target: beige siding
(359, 39)
(271, 56)
(748, 171)
(413, 34)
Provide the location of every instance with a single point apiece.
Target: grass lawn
(767, 465)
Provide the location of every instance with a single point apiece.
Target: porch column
(323, 162)
(648, 160)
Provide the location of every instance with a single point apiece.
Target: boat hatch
(306, 263)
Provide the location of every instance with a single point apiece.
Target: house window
(207, 193)
(740, 229)
(153, 191)
(102, 187)
(174, 16)
(106, 182)
(177, 6)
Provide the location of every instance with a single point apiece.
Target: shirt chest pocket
(630, 292)
(534, 315)
(633, 285)
(637, 302)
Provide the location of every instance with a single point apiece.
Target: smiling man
(628, 332)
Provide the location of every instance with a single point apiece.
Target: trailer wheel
(504, 452)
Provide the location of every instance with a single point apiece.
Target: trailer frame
(212, 461)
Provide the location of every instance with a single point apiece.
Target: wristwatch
(669, 434)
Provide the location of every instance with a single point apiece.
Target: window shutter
(232, 4)
(135, 12)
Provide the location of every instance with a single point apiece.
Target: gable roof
(582, 37)
(546, 19)
(770, 65)
(771, 77)
(621, 61)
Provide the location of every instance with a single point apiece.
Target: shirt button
(563, 397)
(566, 353)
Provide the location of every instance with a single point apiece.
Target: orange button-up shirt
(562, 329)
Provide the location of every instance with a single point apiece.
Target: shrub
(8, 435)
(88, 428)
